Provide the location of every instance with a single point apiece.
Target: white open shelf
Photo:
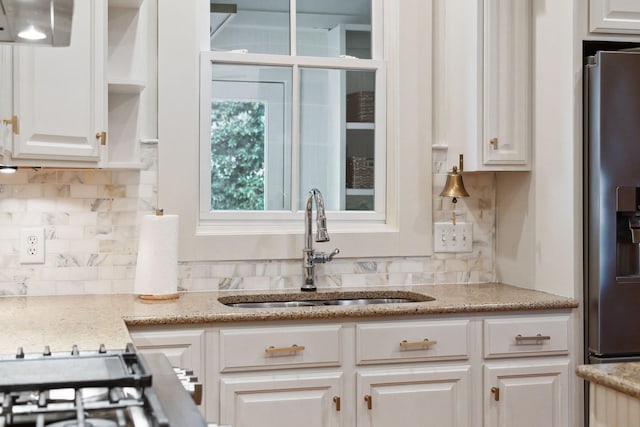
(132, 43)
(126, 87)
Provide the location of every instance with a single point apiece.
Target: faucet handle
(323, 257)
(335, 252)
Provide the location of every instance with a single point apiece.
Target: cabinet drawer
(412, 341)
(279, 347)
(526, 336)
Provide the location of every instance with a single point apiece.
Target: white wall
(91, 221)
(539, 215)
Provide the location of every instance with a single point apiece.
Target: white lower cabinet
(283, 400)
(527, 393)
(183, 347)
(414, 397)
(477, 370)
(612, 408)
(526, 370)
(366, 373)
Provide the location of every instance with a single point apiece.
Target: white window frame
(213, 220)
(407, 226)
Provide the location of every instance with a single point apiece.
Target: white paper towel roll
(157, 267)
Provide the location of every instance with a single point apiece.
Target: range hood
(40, 22)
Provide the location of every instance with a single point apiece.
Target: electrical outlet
(32, 245)
(453, 238)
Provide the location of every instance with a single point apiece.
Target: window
(323, 82)
(291, 114)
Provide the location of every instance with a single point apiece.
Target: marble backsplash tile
(91, 220)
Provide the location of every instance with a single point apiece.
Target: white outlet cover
(32, 245)
(453, 238)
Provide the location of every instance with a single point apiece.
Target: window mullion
(377, 30)
(295, 138)
(293, 28)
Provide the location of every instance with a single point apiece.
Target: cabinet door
(282, 400)
(183, 348)
(6, 99)
(614, 16)
(507, 83)
(60, 93)
(414, 397)
(526, 394)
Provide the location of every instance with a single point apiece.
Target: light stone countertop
(90, 320)
(623, 377)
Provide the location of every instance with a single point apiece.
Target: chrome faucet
(309, 257)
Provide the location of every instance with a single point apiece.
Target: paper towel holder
(159, 297)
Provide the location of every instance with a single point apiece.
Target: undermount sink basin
(323, 299)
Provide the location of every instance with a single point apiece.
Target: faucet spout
(309, 257)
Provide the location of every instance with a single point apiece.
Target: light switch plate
(453, 238)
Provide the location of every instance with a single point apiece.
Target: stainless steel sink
(323, 299)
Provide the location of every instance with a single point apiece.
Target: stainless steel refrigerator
(612, 206)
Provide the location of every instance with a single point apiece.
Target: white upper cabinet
(614, 16)
(131, 76)
(59, 93)
(87, 105)
(507, 83)
(482, 93)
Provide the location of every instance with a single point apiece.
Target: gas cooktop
(98, 388)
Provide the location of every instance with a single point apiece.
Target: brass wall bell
(454, 187)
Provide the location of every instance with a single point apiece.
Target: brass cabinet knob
(367, 398)
(13, 122)
(336, 400)
(102, 136)
(496, 393)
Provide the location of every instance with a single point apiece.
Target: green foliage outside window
(237, 155)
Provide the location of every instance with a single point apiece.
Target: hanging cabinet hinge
(102, 136)
(496, 393)
(13, 121)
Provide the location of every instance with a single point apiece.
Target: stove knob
(47, 351)
(195, 391)
(20, 353)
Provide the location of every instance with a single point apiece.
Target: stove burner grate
(96, 389)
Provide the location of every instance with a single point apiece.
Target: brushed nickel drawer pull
(538, 337)
(291, 349)
(414, 344)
